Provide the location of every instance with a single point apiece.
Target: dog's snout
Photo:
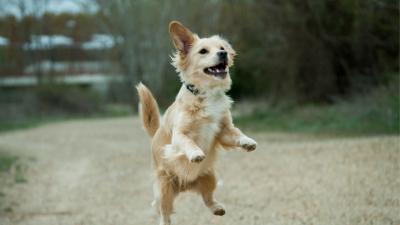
(222, 55)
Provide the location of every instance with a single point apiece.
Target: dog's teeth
(216, 70)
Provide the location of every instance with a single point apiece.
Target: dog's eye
(222, 48)
(203, 51)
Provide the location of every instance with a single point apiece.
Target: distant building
(71, 68)
(101, 41)
(3, 41)
(40, 42)
(65, 61)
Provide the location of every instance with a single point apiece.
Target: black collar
(192, 89)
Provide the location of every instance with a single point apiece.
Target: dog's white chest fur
(214, 109)
(207, 134)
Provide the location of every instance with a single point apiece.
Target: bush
(310, 51)
(21, 108)
(62, 99)
(375, 113)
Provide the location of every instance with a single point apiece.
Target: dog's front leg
(187, 145)
(230, 136)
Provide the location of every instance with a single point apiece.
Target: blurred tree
(312, 51)
(295, 51)
(144, 28)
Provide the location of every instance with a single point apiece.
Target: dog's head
(203, 62)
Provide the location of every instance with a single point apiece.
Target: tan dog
(184, 144)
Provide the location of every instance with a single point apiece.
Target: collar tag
(192, 89)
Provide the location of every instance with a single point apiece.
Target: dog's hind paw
(218, 210)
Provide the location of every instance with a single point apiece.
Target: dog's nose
(222, 55)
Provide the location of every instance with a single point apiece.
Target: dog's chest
(207, 134)
(213, 110)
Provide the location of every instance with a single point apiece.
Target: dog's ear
(232, 53)
(182, 37)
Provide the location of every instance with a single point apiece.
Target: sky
(38, 7)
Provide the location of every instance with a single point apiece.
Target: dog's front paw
(196, 156)
(247, 144)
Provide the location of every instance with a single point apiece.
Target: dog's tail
(148, 109)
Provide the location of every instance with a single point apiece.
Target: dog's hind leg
(206, 185)
(165, 199)
(156, 193)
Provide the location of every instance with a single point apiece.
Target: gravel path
(98, 172)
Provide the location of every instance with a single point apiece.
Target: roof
(48, 41)
(101, 41)
(37, 8)
(3, 41)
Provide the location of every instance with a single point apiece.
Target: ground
(98, 172)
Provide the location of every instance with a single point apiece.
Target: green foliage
(6, 162)
(19, 173)
(18, 124)
(309, 51)
(56, 98)
(12, 167)
(36, 119)
(375, 113)
(51, 102)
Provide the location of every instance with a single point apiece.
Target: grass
(19, 173)
(6, 162)
(22, 124)
(110, 112)
(375, 113)
(12, 170)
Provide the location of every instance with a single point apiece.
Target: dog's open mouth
(218, 70)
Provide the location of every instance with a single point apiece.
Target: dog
(184, 142)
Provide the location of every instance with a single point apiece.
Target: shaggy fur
(184, 144)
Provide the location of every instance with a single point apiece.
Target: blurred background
(302, 65)
(316, 84)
